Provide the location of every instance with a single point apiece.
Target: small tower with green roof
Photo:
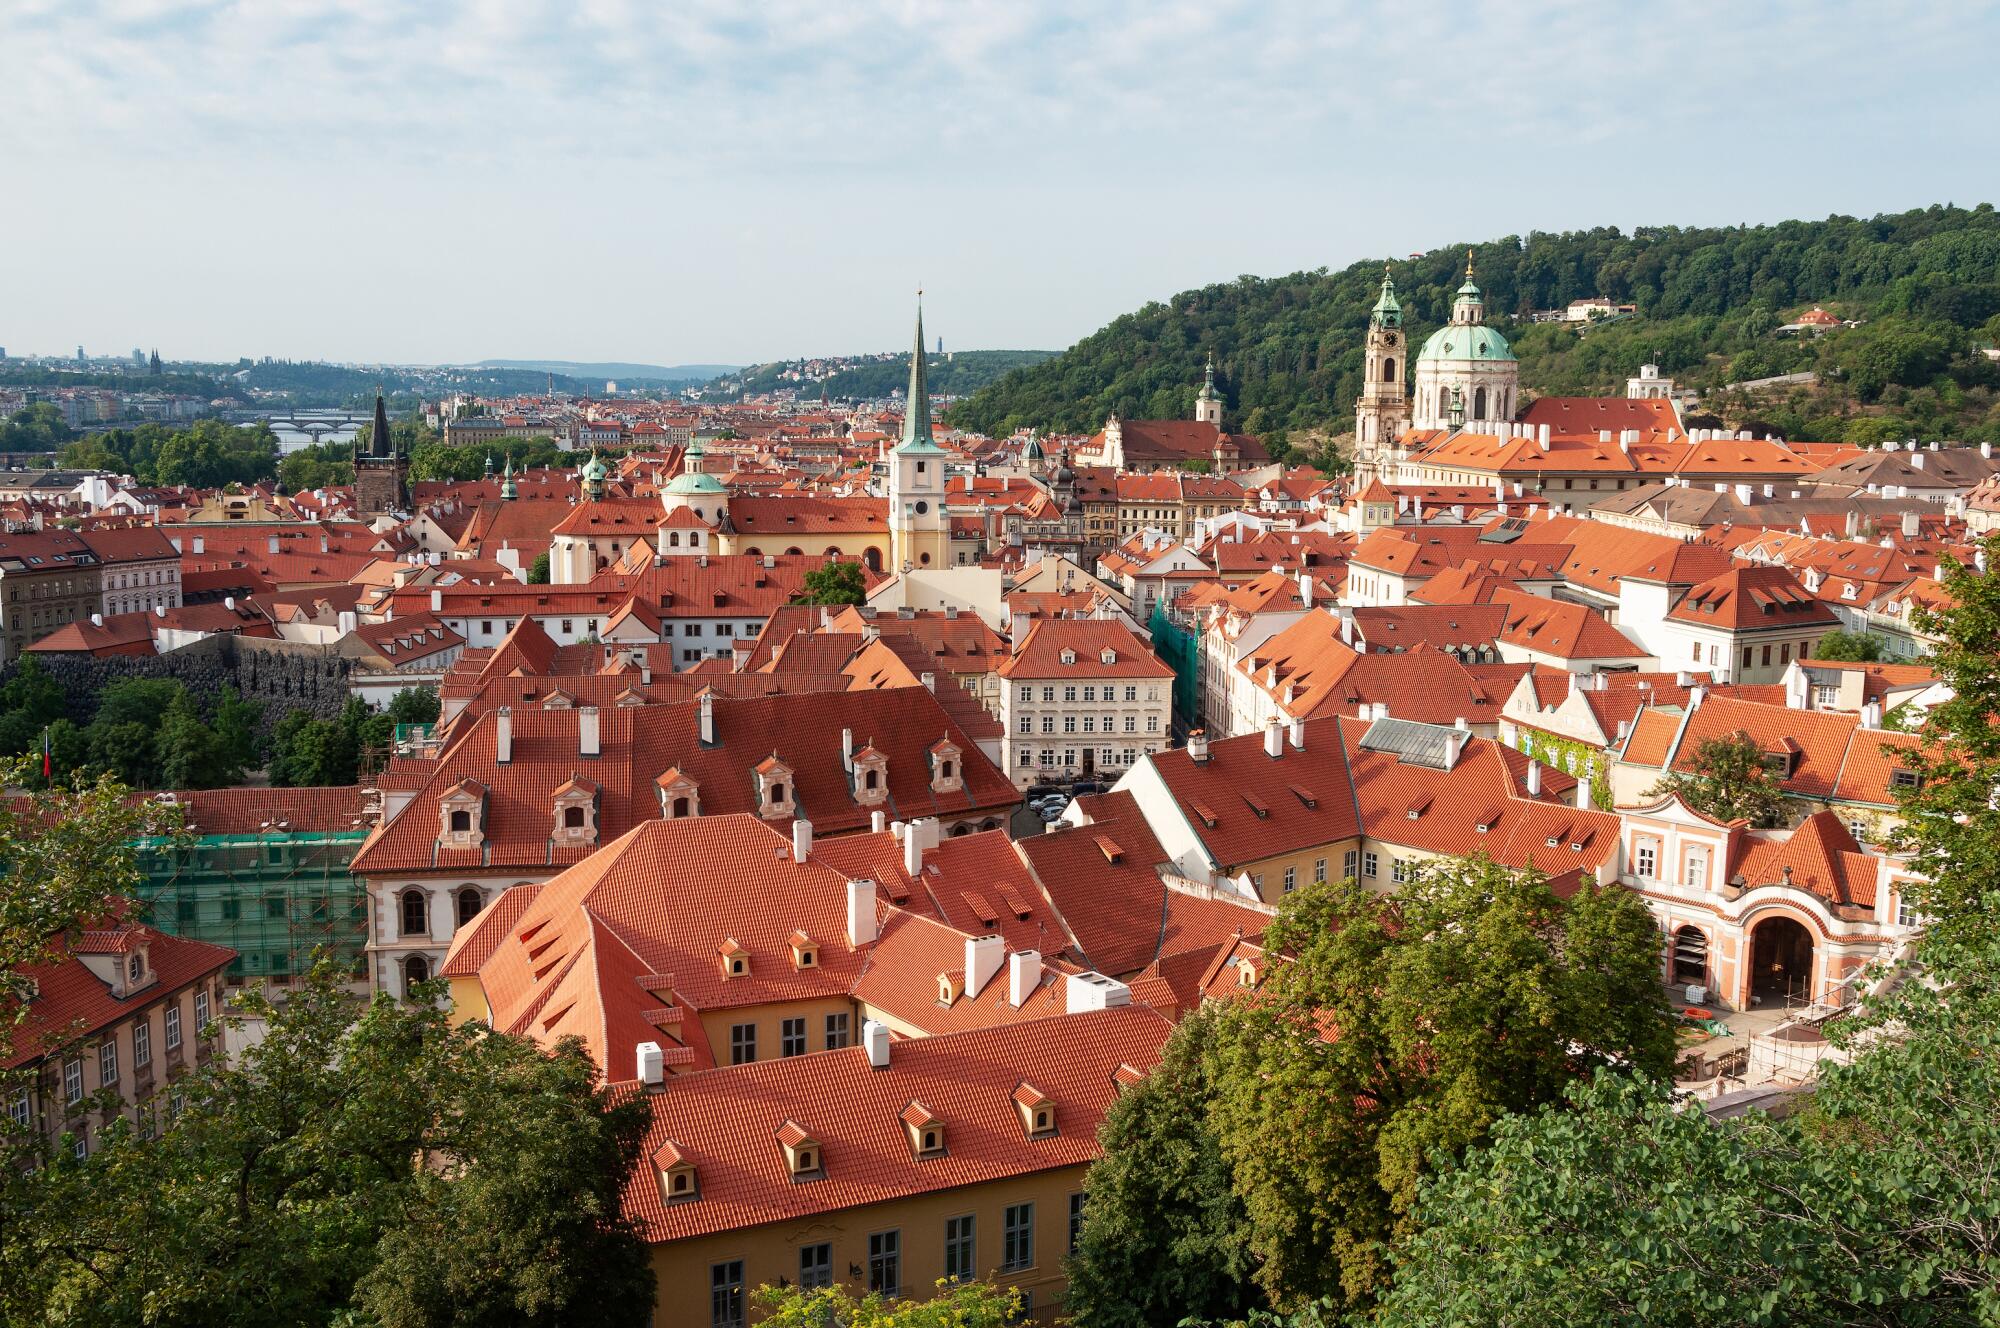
(1208, 402)
(1382, 411)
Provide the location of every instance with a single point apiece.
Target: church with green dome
(1466, 373)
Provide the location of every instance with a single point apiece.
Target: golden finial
(1468, 265)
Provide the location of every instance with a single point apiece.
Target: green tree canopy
(1850, 647)
(1727, 780)
(837, 582)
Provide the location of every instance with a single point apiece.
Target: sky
(678, 181)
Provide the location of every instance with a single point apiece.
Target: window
(1131, 693)
(1368, 865)
(836, 1031)
(725, 1294)
(73, 1080)
(107, 1063)
(231, 910)
(1090, 694)
(461, 822)
(1027, 723)
(470, 900)
(20, 1108)
(1291, 879)
(792, 1037)
(142, 1044)
(959, 1258)
(1131, 723)
(79, 1147)
(1319, 871)
(1767, 656)
(885, 1262)
(1048, 693)
(1906, 913)
(1152, 723)
(415, 908)
(1017, 1237)
(1399, 870)
(1075, 1220)
(135, 968)
(416, 969)
(1048, 723)
(1069, 723)
(742, 1043)
(1347, 863)
(173, 1028)
(1069, 693)
(1905, 779)
(200, 1012)
(1694, 868)
(815, 1266)
(1644, 858)
(1090, 723)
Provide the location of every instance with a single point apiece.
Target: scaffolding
(276, 898)
(1177, 641)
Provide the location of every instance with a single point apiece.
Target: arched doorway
(873, 557)
(1781, 963)
(1690, 953)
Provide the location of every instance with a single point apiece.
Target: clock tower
(1383, 410)
(916, 476)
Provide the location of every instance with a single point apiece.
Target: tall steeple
(1382, 412)
(507, 486)
(1208, 402)
(917, 402)
(383, 443)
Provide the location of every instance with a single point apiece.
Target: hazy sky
(738, 180)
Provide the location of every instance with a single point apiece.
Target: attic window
(1419, 806)
(1256, 805)
(1069, 657)
(735, 959)
(948, 989)
(1107, 656)
(1905, 779)
(1304, 795)
(926, 1131)
(1205, 813)
(1246, 972)
(1038, 1114)
(805, 951)
(803, 1155)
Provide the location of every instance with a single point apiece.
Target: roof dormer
(776, 796)
(947, 767)
(678, 1182)
(576, 813)
(1248, 973)
(805, 952)
(735, 959)
(1107, 656)
(871, 776)
(950, 984)
(925, 1131)
(804, 1159)
(1038, 1114)
(462, 815)
(680, 797)
(1068, 656)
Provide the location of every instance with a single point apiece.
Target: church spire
(381, 444)
(917, 402)
(1388, 310)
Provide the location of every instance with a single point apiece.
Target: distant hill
(873, 376)
(1925, 286)
(664, 373)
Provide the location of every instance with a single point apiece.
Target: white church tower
(917, 533)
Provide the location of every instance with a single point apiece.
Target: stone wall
(284, 675)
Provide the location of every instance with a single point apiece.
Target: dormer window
(576, 813)
(947, 774)
(871, 776)
(735, 959)
(774, 788)
(949, 986)
(1069, 657)
(680, 797)
(1905, 779)
(462, 815)
(1127, 1075)
(1247, 972)
(805, 952)
(925, 1130)
(803, 1157)
(678, 1183)
(1038, 1114)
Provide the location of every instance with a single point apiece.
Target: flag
(48, 765)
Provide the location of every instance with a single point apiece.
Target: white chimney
(875, 1041)
(159, 610)
(878, 821)
(983, 957)
(1298, 734)
(652, 1065)
(1534, 778)
(1274, 738)
(929, 680)
(589, 738)
(503, 735)
(802, 839)
(1871, 714)
(271, 544)
(1912, 525)
(229, 602)
(860, 913)
(348, 622)
(847, 749)
(913, 849)
(97, 620)
(437, 603)
(1346, 629)
(1024, 974)
(1094, 991)
(704, 710)
(199, 544)
(1583, 792)
(1305, 588)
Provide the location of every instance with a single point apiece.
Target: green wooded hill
(963, 371)
(1926, 285)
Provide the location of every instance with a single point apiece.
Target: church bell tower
(1382, 412)
(916, 476)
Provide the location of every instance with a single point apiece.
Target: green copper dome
(1466, 341)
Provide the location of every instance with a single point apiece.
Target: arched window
(681, 807)
(1479, 404)
(794, 552)
(871, 555)
(416, 912)
(470, 902)
(944, 769)
(673, 539)
(415, 969)
(572, 818)
(461, 821)
(1389, 370)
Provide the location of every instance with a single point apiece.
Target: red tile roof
(72, 1002)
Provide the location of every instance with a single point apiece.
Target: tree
(1853, 647)
(956, 1305)
(36, 428)
(1162, 1225)
(1877, 1204)
(1951, 826)
(191, 754)
(317, 467)
(1393, 1034)
(358, 1166)
(415, 705)
(836, 582)
(538, 570)
(1727, 780)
